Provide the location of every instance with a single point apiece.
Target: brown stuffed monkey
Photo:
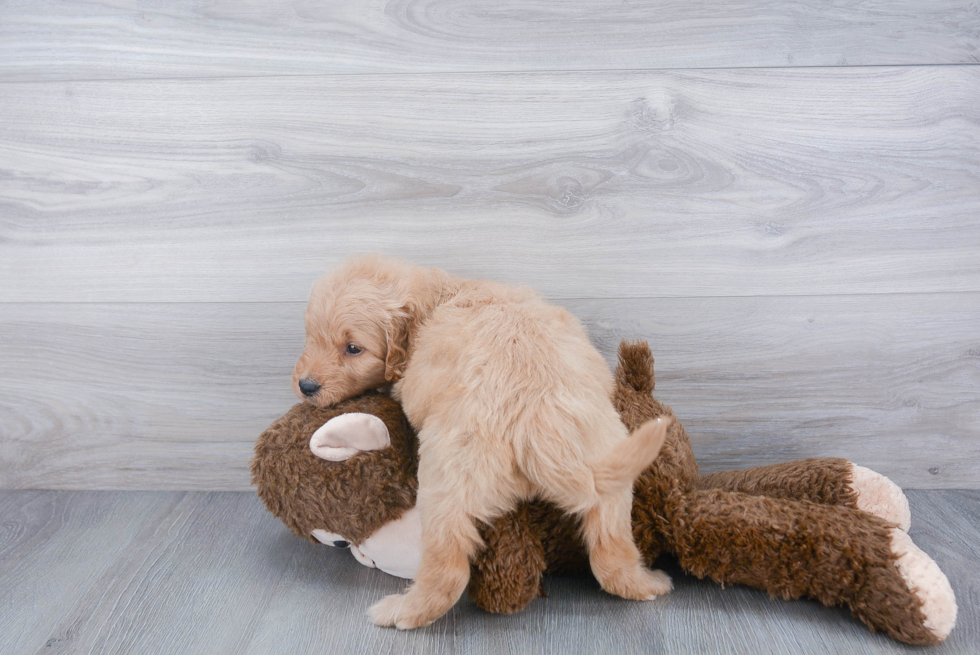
(818, 528)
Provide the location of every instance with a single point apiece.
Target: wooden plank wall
(783, 197)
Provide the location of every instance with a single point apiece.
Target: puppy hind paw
(878, 495)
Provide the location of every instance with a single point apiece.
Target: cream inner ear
(343, 436)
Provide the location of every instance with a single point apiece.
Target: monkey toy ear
(344, 436)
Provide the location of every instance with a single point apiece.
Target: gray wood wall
(783, 197)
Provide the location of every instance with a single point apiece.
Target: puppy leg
(614, 558)
(607, 528)
(603, 495)
(449, 500)
(447, 544)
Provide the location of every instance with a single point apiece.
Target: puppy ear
(397, 333)
(344, 436)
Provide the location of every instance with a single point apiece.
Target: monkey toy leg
(829, 481)
(834, 554)
(505, 575)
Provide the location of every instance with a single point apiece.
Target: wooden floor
(213, 572)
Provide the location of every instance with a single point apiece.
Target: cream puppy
(510, 401)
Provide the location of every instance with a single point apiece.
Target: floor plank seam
(450, 73)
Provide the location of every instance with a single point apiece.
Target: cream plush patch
(927, 582)
(878, 495)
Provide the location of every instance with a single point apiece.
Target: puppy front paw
(384, 613)
(399, 611)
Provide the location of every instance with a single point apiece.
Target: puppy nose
(308, 387)
(341, 544)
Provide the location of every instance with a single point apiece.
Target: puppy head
(357, 325)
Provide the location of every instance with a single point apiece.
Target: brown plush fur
(354, 497)
(791, 529)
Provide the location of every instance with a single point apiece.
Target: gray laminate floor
(212, 572)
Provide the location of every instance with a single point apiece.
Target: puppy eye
(353, 350)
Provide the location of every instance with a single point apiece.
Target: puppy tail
(630, 457)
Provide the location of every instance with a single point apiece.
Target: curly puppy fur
(510, 401)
